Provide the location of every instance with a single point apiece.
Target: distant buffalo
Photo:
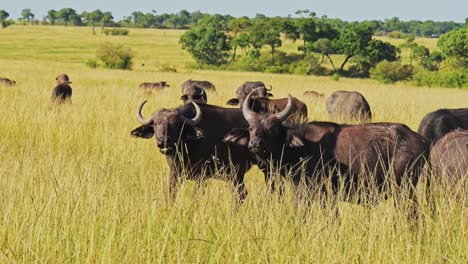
(313, 94)
(154, 85)
(203, 84)
(449, 157)
(438, 123)
(247, 87)
(195, 94)
(7, 82)
(349, 105)
(62, 92)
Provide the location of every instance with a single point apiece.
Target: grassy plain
(75, 187)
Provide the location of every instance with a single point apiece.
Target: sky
(349, 10)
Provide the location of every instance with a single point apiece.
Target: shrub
(112, 57)
(116, 31)
(397, 35)
(390, 72)
(448, 78)
(335, 77)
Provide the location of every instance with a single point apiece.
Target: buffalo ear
(239, 136)
(269, 95)
(143, 132)
(233, 101)
(184, 97)
(294, 140)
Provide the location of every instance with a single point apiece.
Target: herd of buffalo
(200, 140)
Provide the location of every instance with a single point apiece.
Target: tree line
(185, 19)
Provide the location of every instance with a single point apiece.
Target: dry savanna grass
(76, 188)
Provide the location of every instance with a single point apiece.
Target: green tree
(307, 30)
(3, 18)
(410, 45)
(353, 41)
(52, 16)
(266, 32)
(92, 18)
(106, 19)
(67, 15)
(208, 42)
(27, 15)
(454, 45)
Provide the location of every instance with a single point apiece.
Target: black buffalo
(185, 86)
(449, 157)
(349, 105)
(62, 92)
(195, 94)
(247, 87)
(436, 124)
(362, 153)
(191, 138)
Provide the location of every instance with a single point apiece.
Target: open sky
(349, 10)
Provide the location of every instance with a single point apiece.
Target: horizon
(449, 10)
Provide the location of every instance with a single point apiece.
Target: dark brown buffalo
(449, 157)
(208, 86)
(349, 105)
(62, 92)
(313, 94)
(7, 82)
(195, 94)
(438, 123)
(266, 105)
(191, 138)
(362, 153)
(247, 87)
(154, 85)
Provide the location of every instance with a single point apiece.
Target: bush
(112, 57)
(335, 77)
(397, 35)
(116, 31)
(390, 72)
(448, 78)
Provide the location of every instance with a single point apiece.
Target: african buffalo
(191, 138)
(362, 153)
(436, 124)
(313, 94)
(7, 82)
(62, 92)
(449, 157)
(185, 86)
(269, 106)
(154, 85)
(195, 94)
(247, 87)
(350, 105)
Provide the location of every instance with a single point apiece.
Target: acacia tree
(27, 15)
(92, 18)
(266, 31)
(3, 18)
(240, 39)
(52, 16)
(208, 42)
(67, 15)
(106, 19)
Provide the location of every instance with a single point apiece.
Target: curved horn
(248, 114)
(198, 116)
(202, 91)
(271, 88)
(285, 113)
(140, 118)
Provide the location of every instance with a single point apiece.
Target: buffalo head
(266, 132)
(169, 127)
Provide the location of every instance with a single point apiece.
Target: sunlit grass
(75, 187)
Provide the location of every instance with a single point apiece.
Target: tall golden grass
(75, 187)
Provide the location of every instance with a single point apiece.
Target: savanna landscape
(76, 187)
